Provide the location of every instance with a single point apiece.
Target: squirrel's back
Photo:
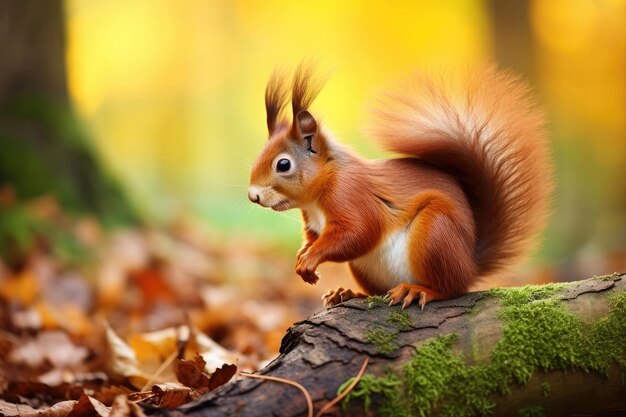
(484, 129)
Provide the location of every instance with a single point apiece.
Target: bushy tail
(486, 130)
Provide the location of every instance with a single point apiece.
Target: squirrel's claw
(407, 293)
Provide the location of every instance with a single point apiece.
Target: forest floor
(94, 322)
(90, 316)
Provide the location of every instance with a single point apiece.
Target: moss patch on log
(539, 333)
(400, 319)
(532, 411)
(374, 301)
(382, 339)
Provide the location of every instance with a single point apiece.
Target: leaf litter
(100, 321)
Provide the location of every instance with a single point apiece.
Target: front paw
(305, 267)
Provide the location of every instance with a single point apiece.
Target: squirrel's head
(289, 170)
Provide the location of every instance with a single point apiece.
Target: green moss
(545, 389)
(522, 295)
(539, 333)
(613, 277)
(400, 319)
(382, 339)
(370, 385)
(607, 344)
(532, 411)
(374, 301)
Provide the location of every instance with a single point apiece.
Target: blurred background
(171, 95)
(127, 131)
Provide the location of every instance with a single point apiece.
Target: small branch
(340, 397)
(309, 402)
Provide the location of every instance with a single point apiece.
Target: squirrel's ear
(307, 130)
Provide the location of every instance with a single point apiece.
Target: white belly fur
(316, 218)
(387, 265)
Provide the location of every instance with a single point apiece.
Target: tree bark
(43, 147)
(328, 348)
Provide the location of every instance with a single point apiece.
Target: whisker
(243, 159)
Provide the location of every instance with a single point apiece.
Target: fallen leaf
(122, 362)
(52, 346)
(23, 288)
(35, 393)
(212, 352)
(152, 284)
(8, 409)
(60, 409)
(170, 395)
(221, 376)
(190, 372)
(88, 407)
(154, 347)
(107, 395)
(122, 407)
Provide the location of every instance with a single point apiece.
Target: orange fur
(468, 198)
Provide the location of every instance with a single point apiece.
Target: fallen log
(558, 349)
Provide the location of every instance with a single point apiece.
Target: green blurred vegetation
(44, 150)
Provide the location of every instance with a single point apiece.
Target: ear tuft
(275, 100)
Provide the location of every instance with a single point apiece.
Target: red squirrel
(467, 198)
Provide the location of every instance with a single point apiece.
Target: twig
(309, 402)
(167, 362)
(341, 396)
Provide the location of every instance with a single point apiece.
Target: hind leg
(440, 253)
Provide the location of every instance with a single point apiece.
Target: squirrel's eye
(283, 165)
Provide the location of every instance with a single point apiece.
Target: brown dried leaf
(11, 409)
(107, 395)
(221, 376)
(170, 395)
(88, 407)
(61, 409)
(36, 393)
(52, 346)
(122, 407)
(191, 373)
(122, 361)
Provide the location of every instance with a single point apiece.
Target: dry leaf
(154, 347)
(122, 407)
(221, 376)
(11, 409)
(212, 352)
(191, 373)
(122, 362)
(152, 284)
(170, 395)
(88, 407)
(60, 409)
(35, 393)
(23, 288)
(107, 395)
(52, 346)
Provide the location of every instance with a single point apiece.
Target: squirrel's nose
(253, 195)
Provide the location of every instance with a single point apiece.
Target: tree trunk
(43, 148)
(544, 350)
